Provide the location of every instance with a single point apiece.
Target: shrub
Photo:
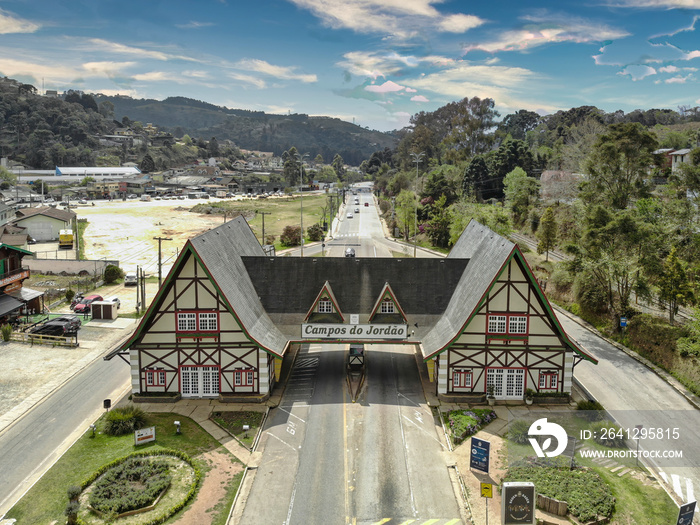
(591, 410)
(291, 236)
(315, 232)
(589, 293)
(464, 423)
(74, 492)
(112, 273)
(518, 432)
(69, 295)
(6, 331)
(133, 484)
(561, 279)
(124, 420)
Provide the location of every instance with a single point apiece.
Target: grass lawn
(284, 211)
(47, 499)
(233, 422)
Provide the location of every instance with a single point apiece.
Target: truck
(65, 239)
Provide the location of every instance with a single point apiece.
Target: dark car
(350, 252)
(83, 306)
(64, 325)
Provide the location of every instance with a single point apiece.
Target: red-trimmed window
(197, 321)
(388, 306)
(548, 380)
(325, 306)
(461, 378)
(507, 324)
(155, 378)
(243, 377)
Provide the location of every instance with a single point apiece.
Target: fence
(41, 339)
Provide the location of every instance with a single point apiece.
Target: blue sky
(372, 62)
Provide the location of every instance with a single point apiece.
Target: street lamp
(417, 158)
(301, 197)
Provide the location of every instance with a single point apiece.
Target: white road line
(423, 430)
(676, 479)
(663, 475)
(690, 496)
(281, 441)
(293, 415)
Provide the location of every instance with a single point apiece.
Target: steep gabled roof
(387, 292)
(326, 291)
(48, 211)
(219, 252)
(489, 254)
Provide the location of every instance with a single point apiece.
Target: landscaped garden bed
(463, 423)
(233, 422)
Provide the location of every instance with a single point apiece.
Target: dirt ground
(126, 231)
(213, 488)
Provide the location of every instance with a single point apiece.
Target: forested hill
(254, 130)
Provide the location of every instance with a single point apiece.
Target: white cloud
(410, 90)
(419, 98)
(194, 25)
(668, 69)
(386, 87)
(545, 28)
(397, 18)
(281, 72)
(638, 72)
(157, 76)
(661, 4)
(11, 24)
(99, 44)
(247, 79)
(106, 66)
(676, 80)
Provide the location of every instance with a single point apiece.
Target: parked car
(76, 299)
(64, 325)
(131, 279)
(83, 306)
(350, 252)
(114, 300)
(357, 210)
(350, 215)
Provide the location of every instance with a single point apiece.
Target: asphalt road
(37, 440)
(327, 460)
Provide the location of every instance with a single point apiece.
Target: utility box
(104, 310)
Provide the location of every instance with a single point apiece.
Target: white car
(113, 300)
(350, 215)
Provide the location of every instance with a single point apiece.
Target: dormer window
(388, 306)
(325, 306)
(507, 324)
(197, 321)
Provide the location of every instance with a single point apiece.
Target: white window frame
(325, 306)
(387, 306)
(208, 321)
(186, 322)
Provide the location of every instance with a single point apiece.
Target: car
(357, 210)
(132, 196)
(83, 307)
(350, 215)
(181, 197)
(114, 300)
(366, 204)
(82, 201)
(350, 252)
(64, 325)
(131, 279)
(31, 240)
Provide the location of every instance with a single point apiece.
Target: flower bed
(464, 423)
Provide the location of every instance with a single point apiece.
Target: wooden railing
(70, 341)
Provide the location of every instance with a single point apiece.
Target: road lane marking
(345, 460)
(281, 440)
(689, 490)
(424, 431)
(676, 479)
(291, 414)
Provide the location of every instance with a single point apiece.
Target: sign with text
(144, 435)
(685, 514)
(479, 457)
(518, 503)
(354, 332)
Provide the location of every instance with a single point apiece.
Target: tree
(520, 190)
(438, 185)
(470, 126)
(213, 147)
(112, 273)
(405, 211)
(87, 180)
(475, 175)
(438, 227)
(291, 236)
(518, 124)
(339, 166)
(315, 232)
(7, 176)
(674, 286)
(147, 164)
(547, 233)
(618, 165)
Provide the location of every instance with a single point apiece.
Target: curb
(668, 378)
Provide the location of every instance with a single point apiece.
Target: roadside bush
(518, 432)
(112, 273)
(561, 279)
(291, 236)
(69, 295)
(315, 232)
(6, 332)
(590, 410)
(589, 293)
(464, 423)
(124, 420)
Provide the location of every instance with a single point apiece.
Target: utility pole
(301, 196)
(138, 289)
(160, 240)
(416, 157)
(263, 213)
(142, 284)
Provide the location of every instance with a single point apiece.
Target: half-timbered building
(227, 313)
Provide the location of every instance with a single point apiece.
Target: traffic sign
(479, 458)
(685, 514)
(623, 322)
(486, 490)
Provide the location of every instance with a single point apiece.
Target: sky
(374, 63)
